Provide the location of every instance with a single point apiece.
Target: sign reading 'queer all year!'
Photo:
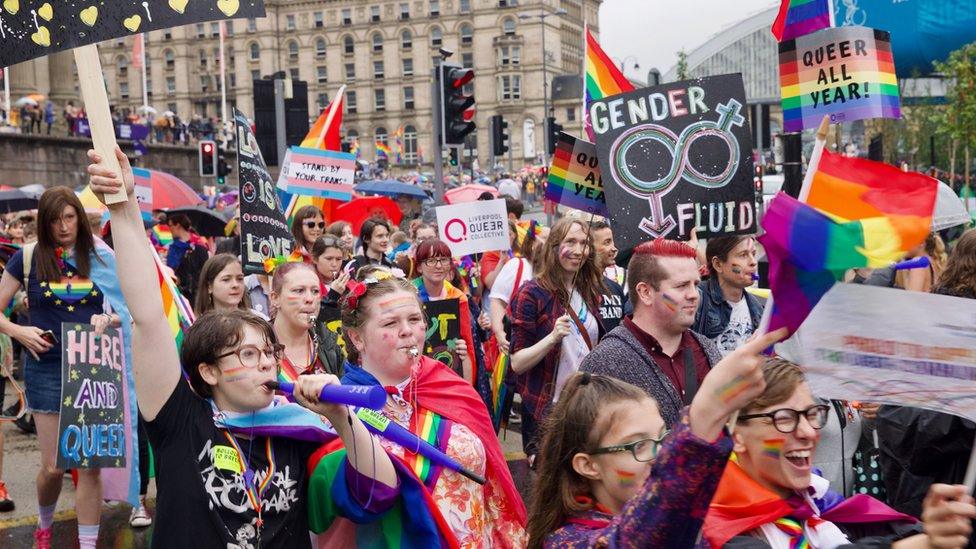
(91, 431)
(474, 227)
(676, 157)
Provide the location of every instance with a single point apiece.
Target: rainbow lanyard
(254, 492)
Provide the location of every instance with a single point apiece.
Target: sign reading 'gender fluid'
(676, 157)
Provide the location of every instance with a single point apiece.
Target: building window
(168, 59)
(509, 87)
(233, 80)
(507, 3)
(322, 75)
(435, 8)
(404, 11)
(408, 98)
(229, 27)
(508, 26)
(570, 115)
(214, 30)
(407, 66)
(252, 24)
(346, 16)
(464, 6)
(410, 155)
(378, 70)
(123, 64)
(319, 20)
(347, 45)
(200, 31)
(255, 75)
(467, 35)
(436, 38)
(350, 71)
(322, 101)
(171, 85)
(509, 55)
(290, 22)
(149, 86)
(168, 35)
(351, 102)
(293, 74)
(406, 40)
(381, 135)
(255, 51)
(204, 82)
(467, 60)
(320, 47)
(124, 90)
(377, 42)
(231, 56)
(374, 13)
(380, 100)
(293, 50)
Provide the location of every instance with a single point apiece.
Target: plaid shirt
(534, 314)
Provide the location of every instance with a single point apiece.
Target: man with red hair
(655, 348)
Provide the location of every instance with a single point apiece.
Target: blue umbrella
(390, 187)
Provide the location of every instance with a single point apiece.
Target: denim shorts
(42, 384)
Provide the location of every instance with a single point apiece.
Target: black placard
(91, 431)
(34, 28)
(443, 328)
(264, 231)
(676, 157)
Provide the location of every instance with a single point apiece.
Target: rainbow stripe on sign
(574, 177)
(846, 73)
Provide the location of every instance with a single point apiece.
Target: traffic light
(552, 133)
(455, 123)
(453, 153)
(499, 135)
(208, 158)
(223, 170)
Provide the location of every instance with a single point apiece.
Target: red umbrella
(468, 193)
(169, 191)
(360, 209)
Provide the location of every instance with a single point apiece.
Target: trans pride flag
(799, 17)
(601, 77)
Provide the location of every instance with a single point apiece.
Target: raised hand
(104, 180)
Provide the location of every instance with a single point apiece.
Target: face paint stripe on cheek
(670, 302)
(626, 479)
(773, 447)
(732, 389)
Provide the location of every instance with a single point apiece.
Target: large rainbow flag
(601, 77)
(573, 183)
(800, 17)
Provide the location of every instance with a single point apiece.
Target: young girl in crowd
(296, 296)
(221, 286)
(327, 256)
(375, 234)
(342, 231)
(215, 488)
(306, 228)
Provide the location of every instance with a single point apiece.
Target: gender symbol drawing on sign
(681, 166)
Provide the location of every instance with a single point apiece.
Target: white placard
(474, 227)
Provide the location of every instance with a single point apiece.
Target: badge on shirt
(226, 458)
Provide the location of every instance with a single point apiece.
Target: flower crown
(273, 263)
(356, 289)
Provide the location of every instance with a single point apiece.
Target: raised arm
(157, 372)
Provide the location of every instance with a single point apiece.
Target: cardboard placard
(574, 178)
(143, 189)
(474, 227)
(91, 431)
(264, 231)
(317, 172)
(846, 73)
(34, 28)
(443, 327)
(676, 157)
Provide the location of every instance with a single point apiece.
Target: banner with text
(91, 429)
(846, 73)
(264, 231)
(676, 157)
(861, 343)
(317, 172)
(574, 177)
(474, 227)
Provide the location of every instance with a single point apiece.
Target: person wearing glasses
(306, 228)
(217, 488)
(611, 474)
(772, 497)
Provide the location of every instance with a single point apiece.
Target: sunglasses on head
(313, 224)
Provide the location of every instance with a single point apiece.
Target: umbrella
(146, 109)
(25, 101)
(949, 209)
(391, 187)
(18, 200)
(360, 209)
(168, 191)
(468, 193)
(206, 222)
(169, 113)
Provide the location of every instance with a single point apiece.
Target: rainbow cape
(800, 17)
(576, 184)
(601, 77)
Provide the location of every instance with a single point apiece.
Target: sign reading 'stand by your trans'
(474, 227)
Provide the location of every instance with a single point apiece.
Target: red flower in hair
(355, 290)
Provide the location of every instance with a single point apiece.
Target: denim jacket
(714, 311)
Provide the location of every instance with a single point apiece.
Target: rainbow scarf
(436, 430)
(793, 528)
(601, 77)
(799, 17)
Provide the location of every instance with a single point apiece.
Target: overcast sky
(655, 30)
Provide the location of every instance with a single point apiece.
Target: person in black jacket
(186, 255)
(729, 314)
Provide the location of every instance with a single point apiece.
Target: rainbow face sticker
(71, 289)
(773, 448)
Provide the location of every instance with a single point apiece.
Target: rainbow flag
(398, 139)
(800, 17)
(601, 77)
(434, 429)
(354, 147)
(163, 235)
(501, 397)
(855, 83)
(383, 150)
(176, 308)
(576, 184)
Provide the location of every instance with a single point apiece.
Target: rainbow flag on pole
(383, 150)
(601, 77)
(800, 17)
(576, 184)
(177, 310)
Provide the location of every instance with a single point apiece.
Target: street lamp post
(545, 77)
(623, 64)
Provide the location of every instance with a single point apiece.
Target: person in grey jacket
(655, 348)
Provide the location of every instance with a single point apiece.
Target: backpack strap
(28, 256)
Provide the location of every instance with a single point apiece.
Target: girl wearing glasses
(217, 488)
(307, 227)
(770, 496)
(611, 475)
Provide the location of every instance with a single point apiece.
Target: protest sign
(264, 232)
(474, 227)
(846, 73)
(143, 189)
(574, 177)
(893, 347)
(317, 172)
(33, 28)
(443, 328)
(91, 430)
(676, 157)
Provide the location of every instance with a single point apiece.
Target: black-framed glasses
(437, 261)
(250, 355)
(643, 450)
(786, 419)
(313, 224)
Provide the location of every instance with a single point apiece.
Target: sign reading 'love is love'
(34, 28)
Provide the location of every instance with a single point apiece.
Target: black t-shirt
(612, 305)
(201, 501)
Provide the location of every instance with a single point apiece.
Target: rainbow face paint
(625, 479)
(732, 389)
(670, 302)
(395, 303)
(773, 448)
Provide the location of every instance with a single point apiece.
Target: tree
(960, 114)
(682, 68)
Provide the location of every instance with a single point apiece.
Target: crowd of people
(649, 415)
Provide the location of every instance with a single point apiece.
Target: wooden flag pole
(92, 85)
(818, 149)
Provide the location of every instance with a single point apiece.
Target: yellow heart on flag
(12, 6)
(132, 23)
(46, 11)
(179, 6)
(42, 37)
(229, 7)
(89, 15)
